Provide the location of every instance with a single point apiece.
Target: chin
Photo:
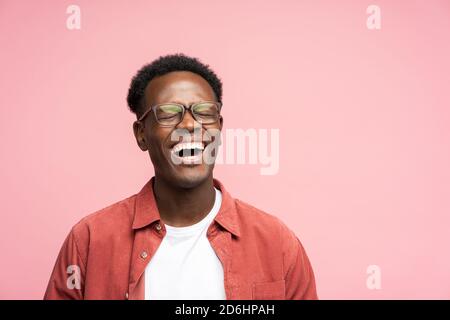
(191, 176)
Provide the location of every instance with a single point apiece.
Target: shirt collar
(146, 210)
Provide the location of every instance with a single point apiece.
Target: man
(182, 236)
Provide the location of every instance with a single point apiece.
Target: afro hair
(162, 66)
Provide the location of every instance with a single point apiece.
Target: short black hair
(162, 66)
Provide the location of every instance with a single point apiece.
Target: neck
(181, 207)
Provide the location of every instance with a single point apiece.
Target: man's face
(180, 87)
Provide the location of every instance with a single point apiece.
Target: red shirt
(105, 254)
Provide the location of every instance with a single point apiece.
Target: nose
(188, 122)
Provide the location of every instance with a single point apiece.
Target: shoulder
(265, 226)
(249, 214)
(112, 220)
(278, 240)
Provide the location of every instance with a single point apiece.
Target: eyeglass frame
(189, 108)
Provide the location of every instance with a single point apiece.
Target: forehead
(178, 86)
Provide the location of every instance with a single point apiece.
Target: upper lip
(192, 140)
(188, 145)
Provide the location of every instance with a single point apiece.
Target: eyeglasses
(170, 114)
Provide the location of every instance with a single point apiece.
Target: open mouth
(188, 152)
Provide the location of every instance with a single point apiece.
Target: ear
(220, 128)
(138, 129)
(220, 122)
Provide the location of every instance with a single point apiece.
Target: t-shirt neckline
(182, 231)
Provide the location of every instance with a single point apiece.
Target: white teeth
(187, 145)
(187, 159)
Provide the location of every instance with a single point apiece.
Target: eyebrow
(179, 102)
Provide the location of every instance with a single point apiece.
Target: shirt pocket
(274, 290)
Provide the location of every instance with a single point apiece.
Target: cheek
(157, 140)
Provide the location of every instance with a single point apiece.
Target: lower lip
(190, 160)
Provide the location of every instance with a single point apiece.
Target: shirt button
(144, 254)
(158, 227)
(126, 295)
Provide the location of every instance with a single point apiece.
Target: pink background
(364, 154)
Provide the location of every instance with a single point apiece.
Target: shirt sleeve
(67, 278)
(299, 276)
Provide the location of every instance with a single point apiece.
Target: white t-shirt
(185, 265)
